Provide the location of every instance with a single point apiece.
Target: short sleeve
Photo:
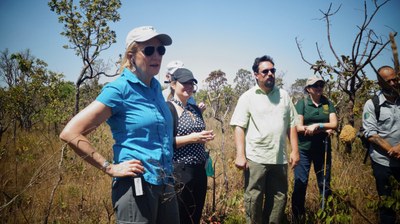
(369, 120)
(332, 108)
(241, 114)
(111, 96)
(300, 107)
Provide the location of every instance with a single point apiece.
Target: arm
(294, 157)
(74, 134)
(323, 127)
(300, 127)
(241, 161)
(195, 137)
(378, 141)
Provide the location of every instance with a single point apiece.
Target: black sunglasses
(149, 50)
(316, 85)
(266, 71)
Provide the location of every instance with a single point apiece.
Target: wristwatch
(106, 164)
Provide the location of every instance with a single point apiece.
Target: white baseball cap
(313, 79)
(144, 33)
(173, 66)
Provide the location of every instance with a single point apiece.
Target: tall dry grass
(32, 168)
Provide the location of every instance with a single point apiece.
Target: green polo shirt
(313, 114)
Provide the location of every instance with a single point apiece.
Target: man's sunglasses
(266, 71)
(149, 50)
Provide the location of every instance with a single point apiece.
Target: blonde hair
(126, 63)
(171, 90)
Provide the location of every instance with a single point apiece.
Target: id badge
(138, 186)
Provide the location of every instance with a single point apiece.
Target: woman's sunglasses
(316, 85)
(149, 50)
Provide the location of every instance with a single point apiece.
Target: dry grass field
(42, 181)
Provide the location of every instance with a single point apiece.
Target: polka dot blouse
(189, 121)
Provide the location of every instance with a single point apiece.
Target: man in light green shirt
(264, 116)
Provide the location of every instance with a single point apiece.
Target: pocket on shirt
(385, 121)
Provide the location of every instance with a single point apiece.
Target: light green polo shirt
(266, 118)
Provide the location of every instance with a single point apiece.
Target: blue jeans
(382, 175)
(301, 174)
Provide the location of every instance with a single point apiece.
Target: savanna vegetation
(43, 181)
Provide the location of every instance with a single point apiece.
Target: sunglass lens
(148, 51)
(161, 50)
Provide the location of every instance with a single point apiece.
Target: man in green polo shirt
(264, 116)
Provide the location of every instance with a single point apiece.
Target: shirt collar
(258, 90)
(382, 98)
(322, 101)
(131, 77)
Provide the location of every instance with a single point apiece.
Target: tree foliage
(349, 67)
(88, 32)
(297, 89)
(32, 92)
(219, 94)
(244, 80)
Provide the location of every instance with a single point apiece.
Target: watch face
(106, 164)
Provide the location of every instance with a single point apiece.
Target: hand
(330, 131)
(294, 159)
(204, 136)
(202, 106)
(395, 151)
(241, 162)
(311, 129)
(127, 168)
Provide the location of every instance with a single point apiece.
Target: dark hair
(257, 62)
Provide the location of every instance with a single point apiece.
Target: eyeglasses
(149, 50)
(266, 71)
(316, 85)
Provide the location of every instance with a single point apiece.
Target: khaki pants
(266, 187)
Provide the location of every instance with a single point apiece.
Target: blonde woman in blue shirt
(141, 124)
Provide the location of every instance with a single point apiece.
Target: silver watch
(106, 164)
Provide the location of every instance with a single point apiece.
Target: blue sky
(207, 35)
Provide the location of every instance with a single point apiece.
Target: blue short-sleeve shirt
(141, 125)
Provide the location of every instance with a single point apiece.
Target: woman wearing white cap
(317, 120)
(141, 124)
